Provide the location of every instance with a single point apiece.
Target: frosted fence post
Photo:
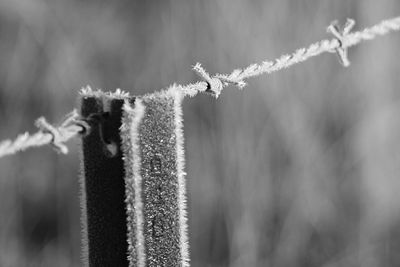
(103, 186)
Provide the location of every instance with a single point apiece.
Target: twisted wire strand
(47, 134)
(343, 40)
(72, 126)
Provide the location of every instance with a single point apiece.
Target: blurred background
(301, 168)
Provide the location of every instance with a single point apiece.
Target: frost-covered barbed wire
(215, 84)
(343, 40)
(47, 134)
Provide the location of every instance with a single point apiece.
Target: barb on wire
(214, 85)
(72, 126)
(341, 36)
(47, 134)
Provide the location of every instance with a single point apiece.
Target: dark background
(299, 169)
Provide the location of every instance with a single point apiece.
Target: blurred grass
(299, 169)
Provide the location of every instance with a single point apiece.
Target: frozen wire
(47, 134)
(215, 84)
(343, 40)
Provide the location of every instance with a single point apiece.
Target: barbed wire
(343, 39)
(47, 134)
